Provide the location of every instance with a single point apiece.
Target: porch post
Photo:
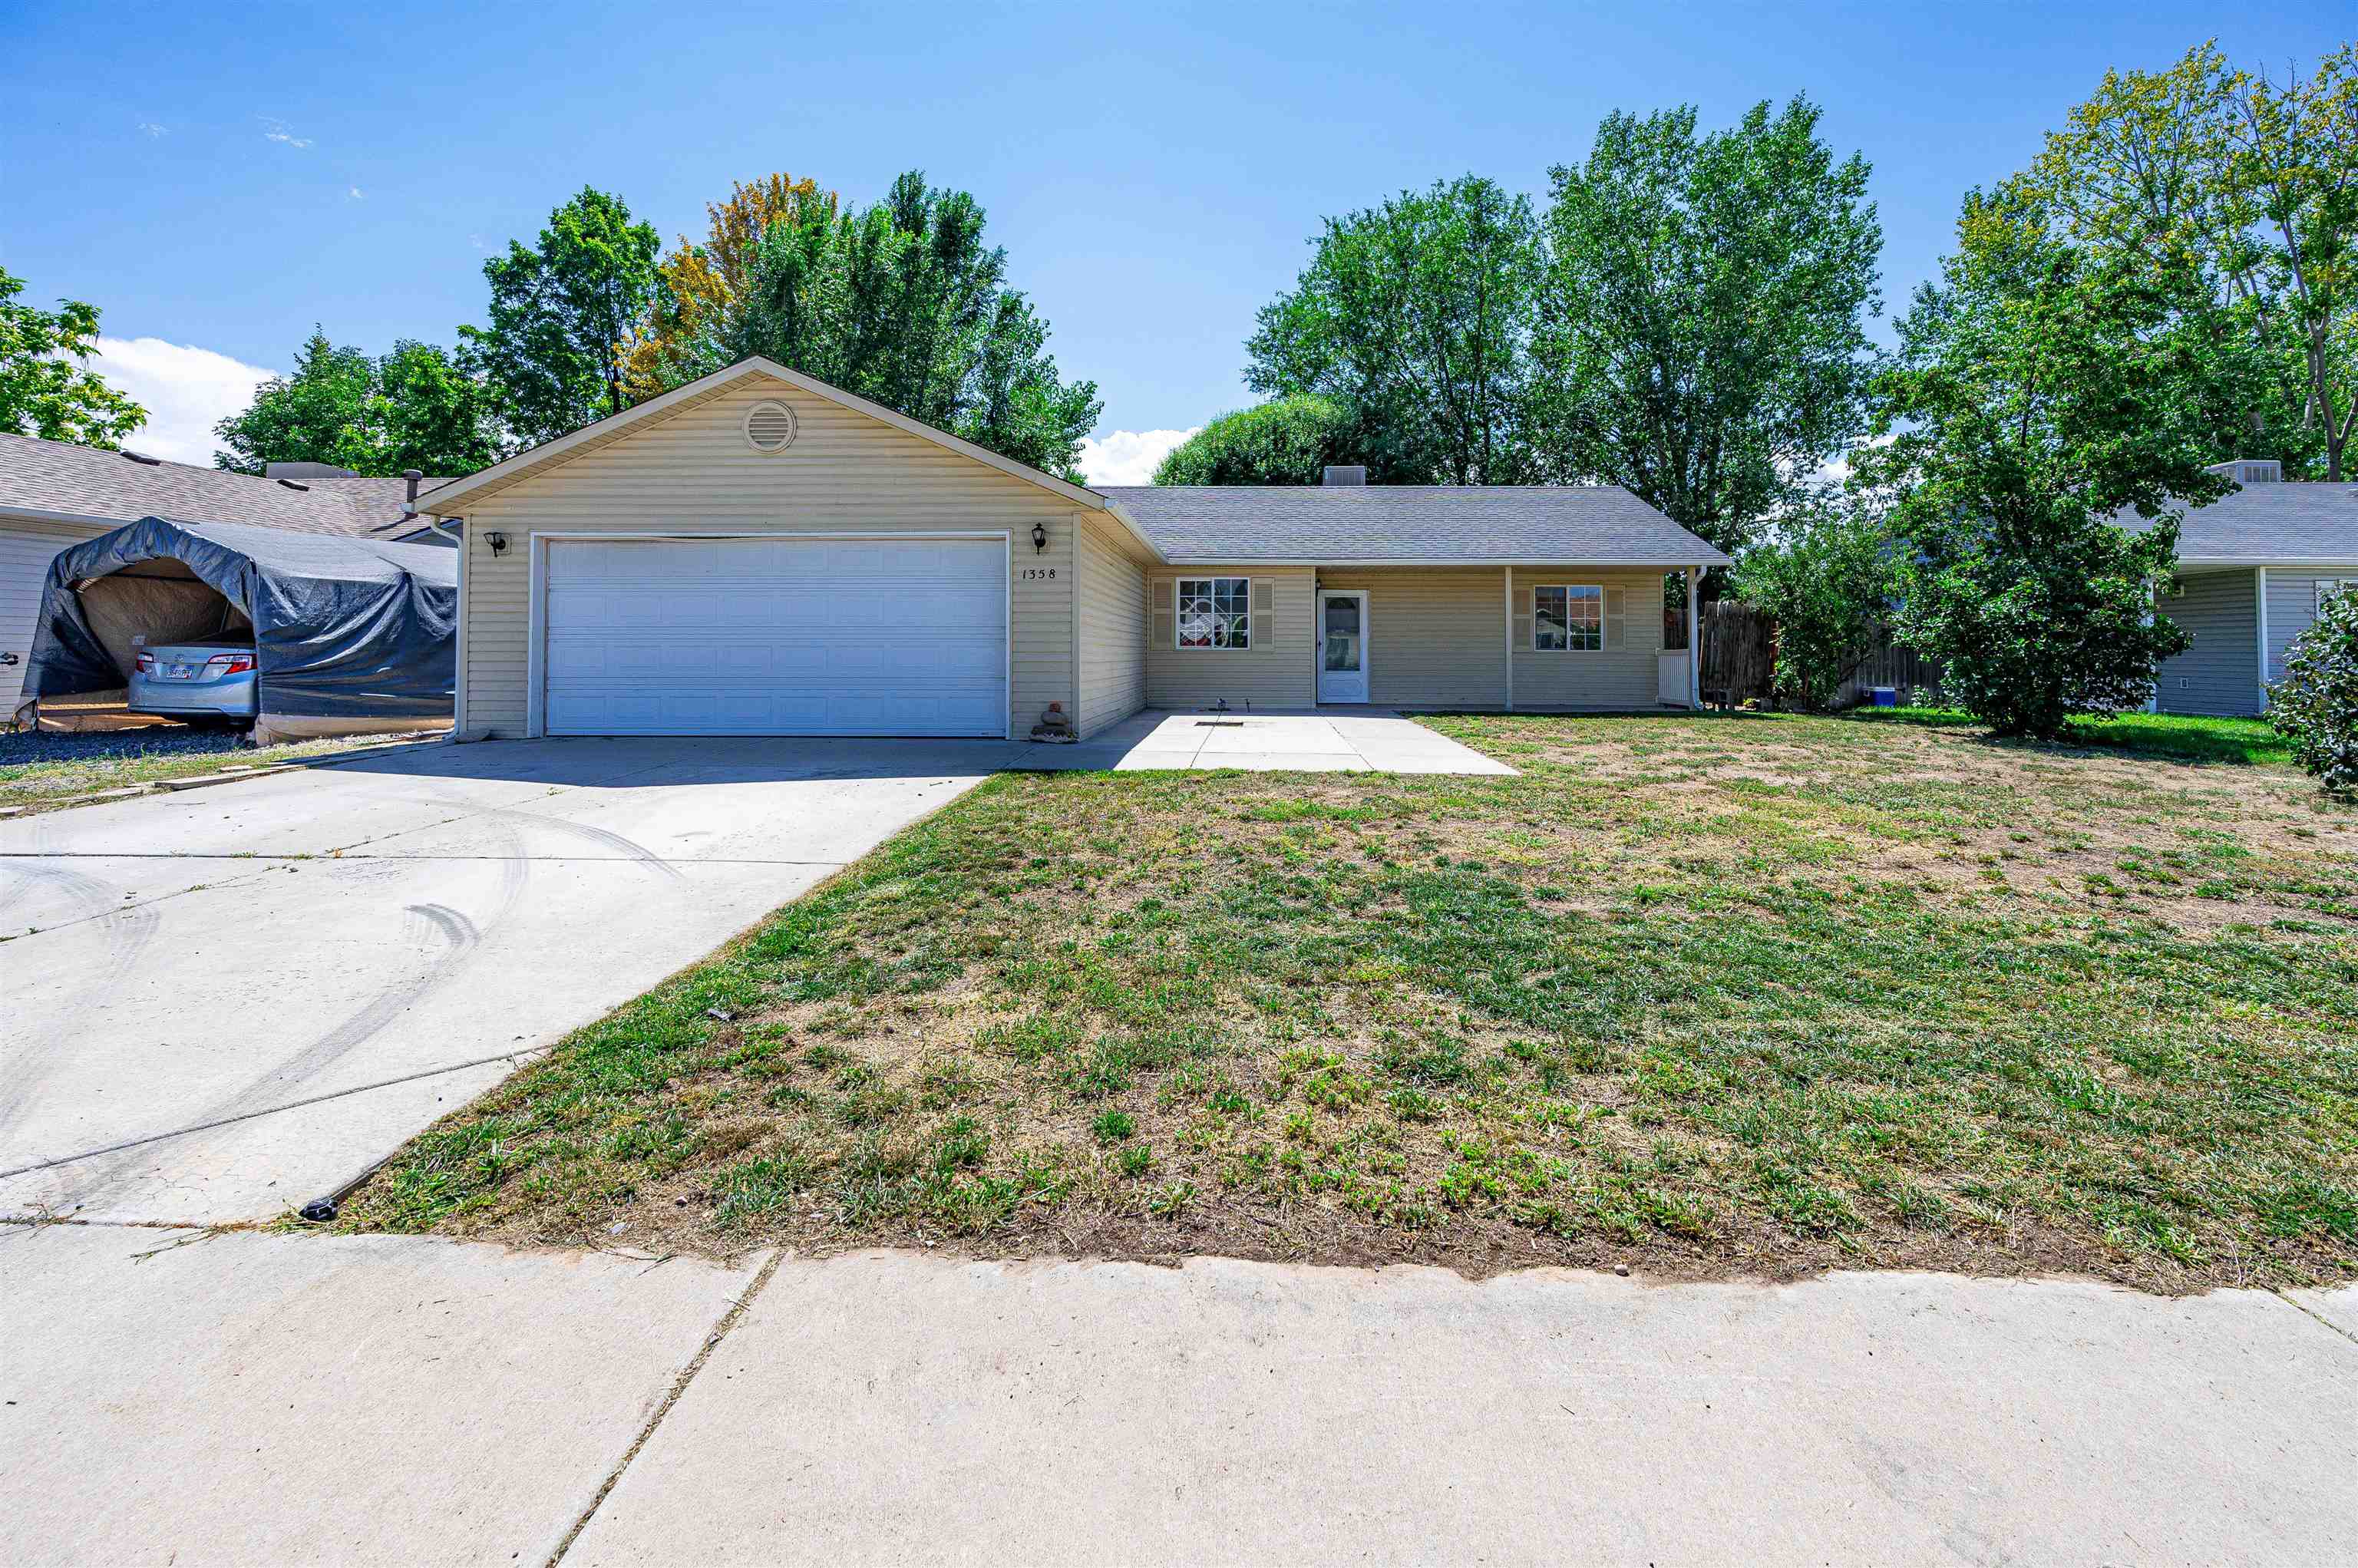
(1694, 641)
(1510, 639)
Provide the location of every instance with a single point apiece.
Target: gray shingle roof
(2262, 524)
(1478, 525)
(40, 476)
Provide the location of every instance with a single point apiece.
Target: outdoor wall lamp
(1039, 536)
(497, 541)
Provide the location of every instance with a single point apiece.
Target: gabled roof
(59, 481)
(1403, 525)
(615, 425)
(2274, 523)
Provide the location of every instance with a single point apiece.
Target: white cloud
(151, 127)
(1128, 457)
(184, 390)
(279, 133)
(355, 194)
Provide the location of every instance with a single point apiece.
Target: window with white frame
(1214, 612)
(1568, 618)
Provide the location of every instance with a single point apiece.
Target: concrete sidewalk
(244, 1397)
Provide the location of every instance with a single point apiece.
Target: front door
(1343, 646)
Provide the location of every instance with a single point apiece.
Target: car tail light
(229, 664)
(147, 663)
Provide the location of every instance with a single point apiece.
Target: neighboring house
(759, 552)
(2252, 570)
(53, 494)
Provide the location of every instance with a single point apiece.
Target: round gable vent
(770, 426)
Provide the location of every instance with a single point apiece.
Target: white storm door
(1343, 646)
(775, 636)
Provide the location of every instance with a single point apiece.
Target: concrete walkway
(244, 1397)
(1342, 740)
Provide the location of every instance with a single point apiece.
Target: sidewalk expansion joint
(2308, 1312)
(721, 1331)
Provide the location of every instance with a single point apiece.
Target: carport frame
(536, 595)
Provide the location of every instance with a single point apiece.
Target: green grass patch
(1724, 994)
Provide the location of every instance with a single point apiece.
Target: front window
(1214, 612)
(1567, 619)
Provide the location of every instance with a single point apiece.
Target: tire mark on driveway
(125, 930)
(429, 925)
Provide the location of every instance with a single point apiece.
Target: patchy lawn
(1705, 996)
(39, 772)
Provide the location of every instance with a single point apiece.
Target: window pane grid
(1216, 612)
(1568, 618)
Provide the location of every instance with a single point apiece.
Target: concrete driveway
(225, 1002)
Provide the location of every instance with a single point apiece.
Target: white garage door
(775, 637)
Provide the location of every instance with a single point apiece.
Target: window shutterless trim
(1568, 589)
(1240, 620)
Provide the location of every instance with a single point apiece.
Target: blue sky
(217, 179)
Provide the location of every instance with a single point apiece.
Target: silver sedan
(200, 682)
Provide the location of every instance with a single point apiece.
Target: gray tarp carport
(350, 636)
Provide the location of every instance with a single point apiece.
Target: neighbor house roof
(1402, 524)
(2274, 524)
(58, 481)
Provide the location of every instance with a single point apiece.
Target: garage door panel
(775, 636)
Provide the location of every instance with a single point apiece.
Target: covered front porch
(1538, 638)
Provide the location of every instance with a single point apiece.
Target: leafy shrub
(1825, 579)
(2315, 707)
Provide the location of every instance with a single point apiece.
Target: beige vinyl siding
(1273, 671)
(691, 472)
(2292, 607)
(2220, 673)
(1436, 636)
(1627, 676)
(25, 551)
(1110, 620)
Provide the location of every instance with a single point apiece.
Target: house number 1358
(1039, 574)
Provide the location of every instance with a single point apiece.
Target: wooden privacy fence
(1739, 660)
(1739, 652)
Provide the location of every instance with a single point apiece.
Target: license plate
(180, 671)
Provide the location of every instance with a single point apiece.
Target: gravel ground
(30, 746)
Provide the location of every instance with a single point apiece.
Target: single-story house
(759, 552)
(2253, 568)
(53, 494)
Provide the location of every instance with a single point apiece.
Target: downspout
(2260, 578)
(1694, 640)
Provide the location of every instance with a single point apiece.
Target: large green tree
(1701, 336)
(2239, 191)
(904, 302)
(2038, 391)
(1287, 440)
(564, 312)
(46, 386)
(1418, 315)
(413, 409)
